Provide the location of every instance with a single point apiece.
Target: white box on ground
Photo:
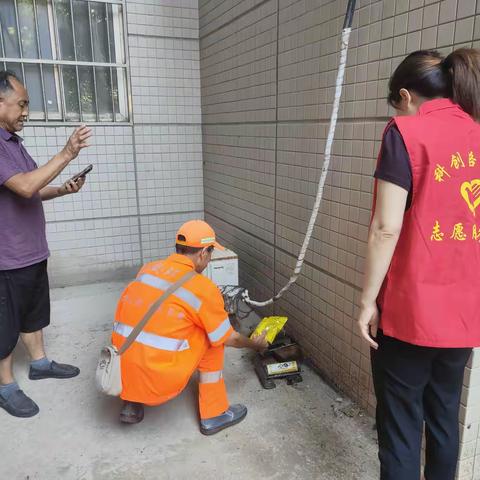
(223, 268)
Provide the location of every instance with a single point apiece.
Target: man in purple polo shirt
(24, 289)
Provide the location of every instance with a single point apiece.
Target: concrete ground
(291, 432)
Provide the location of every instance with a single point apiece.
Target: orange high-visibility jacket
(158, 365)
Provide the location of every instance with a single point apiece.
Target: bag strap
(140, 325)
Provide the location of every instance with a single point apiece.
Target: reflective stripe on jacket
(160, 362)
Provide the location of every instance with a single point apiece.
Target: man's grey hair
(5, 84)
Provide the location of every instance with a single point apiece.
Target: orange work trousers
(212, 393)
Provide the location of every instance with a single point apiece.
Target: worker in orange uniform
(187, 333)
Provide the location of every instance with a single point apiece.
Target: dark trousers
(414, 385)
(24, 304)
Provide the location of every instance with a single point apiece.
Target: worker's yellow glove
(272, 325)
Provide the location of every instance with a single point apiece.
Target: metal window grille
(70, 54)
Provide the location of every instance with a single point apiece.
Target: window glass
(44, 31)
(87, 94)
(51, 86)
(98, 12)
(28, 30)
(104, 93)
(83, 43)
(8, 21)
(64, 27)
(78, 46)
(70, 93)
(33, 82)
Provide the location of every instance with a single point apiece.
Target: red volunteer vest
(431, 295)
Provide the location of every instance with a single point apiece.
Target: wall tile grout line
(291, 255)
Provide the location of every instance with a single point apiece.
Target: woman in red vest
(420, 305)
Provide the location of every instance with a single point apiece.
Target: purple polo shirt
(23, 241)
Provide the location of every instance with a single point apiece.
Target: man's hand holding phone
(71, 186)
(74, 184)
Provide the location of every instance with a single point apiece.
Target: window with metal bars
(70, 54)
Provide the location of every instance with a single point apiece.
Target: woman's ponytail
(462, 67)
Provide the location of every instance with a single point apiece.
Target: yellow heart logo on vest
(471, 194)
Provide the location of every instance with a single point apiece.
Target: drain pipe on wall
(347, 28)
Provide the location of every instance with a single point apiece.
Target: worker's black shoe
(19, 405)
(55, 370)
(132, 412)
(235, 414)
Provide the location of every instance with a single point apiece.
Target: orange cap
(197, 233)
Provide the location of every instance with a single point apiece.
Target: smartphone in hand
(82, 173)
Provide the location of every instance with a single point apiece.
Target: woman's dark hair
(420, 72)
(429, 75)
(463, 69)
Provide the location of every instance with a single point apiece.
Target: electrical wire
(234, 304)
(326, 163)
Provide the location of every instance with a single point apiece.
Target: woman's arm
(382, 240)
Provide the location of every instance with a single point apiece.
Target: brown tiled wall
(268, 71)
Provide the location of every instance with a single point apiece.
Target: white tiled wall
(110, 191)
(165, 79)
(83, 250)
(169, 162)
(268, 70)
(147, 176)
(159, 230)
(163, 18)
